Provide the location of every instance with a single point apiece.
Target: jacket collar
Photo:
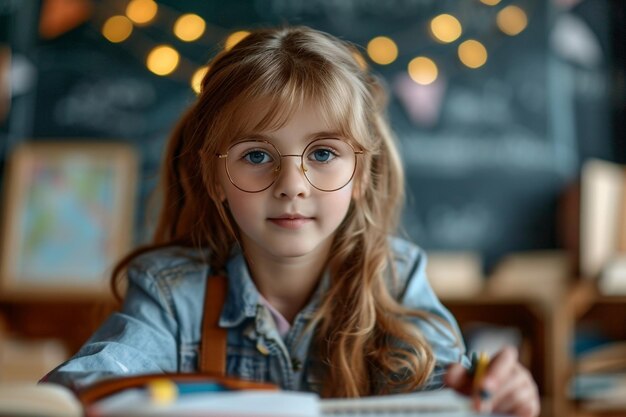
(243, 298)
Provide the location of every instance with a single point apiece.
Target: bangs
(269, 102)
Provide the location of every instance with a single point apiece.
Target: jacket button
(262, 348)
(296, 364)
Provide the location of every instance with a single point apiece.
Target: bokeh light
(472, 53)
(163, 60)
(360, 60)
(117, 28)
(512, 20)
(189, 27)
(382, 50)
(423, 70)
(445, 28)
(197, 77)
(234, 38)
(141, 12)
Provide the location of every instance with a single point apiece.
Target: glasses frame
(224, 156)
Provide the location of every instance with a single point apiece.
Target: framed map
(67, 218)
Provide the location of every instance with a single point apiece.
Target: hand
(506, 388)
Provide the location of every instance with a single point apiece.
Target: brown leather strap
(213, 339)
(108, 386)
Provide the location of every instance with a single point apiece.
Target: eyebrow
(309, 138)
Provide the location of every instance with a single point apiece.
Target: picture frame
(68, 217)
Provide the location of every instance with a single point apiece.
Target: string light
(359, 60)
(189, 27)
(163, 60)
(197, 77)
(445, 28)
(382, 50)
(141, 12)
(423, 70)
(117, 28)
(512, 20)
(472, 53)
(234, 38)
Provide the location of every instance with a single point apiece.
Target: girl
(283, 175)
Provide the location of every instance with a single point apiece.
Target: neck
(287, 283)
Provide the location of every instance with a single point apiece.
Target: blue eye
(257, 157)
(321, 155)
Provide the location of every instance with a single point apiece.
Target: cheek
(336, 204)
(242, 205)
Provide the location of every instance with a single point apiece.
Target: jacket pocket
(247, 363)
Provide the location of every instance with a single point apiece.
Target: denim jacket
(159, 326)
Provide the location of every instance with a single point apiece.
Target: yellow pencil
(479, 372)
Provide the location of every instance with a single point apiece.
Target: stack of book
(600, 380)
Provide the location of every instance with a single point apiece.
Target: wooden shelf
(71, 322)
(547, 322)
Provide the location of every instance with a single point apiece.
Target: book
(601, 391)
(602, 215)
(137, 402)
(445, 401)
(51, 400)
(23, 360)
(613, 278)
(45, 400)
(600, 379)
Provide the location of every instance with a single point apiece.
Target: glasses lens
(329, 164)
(252, 165)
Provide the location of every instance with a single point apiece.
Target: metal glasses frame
(224, 156)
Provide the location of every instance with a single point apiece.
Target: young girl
(283, 176)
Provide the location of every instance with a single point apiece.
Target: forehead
(267, 117)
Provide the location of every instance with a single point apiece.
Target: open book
(49, 400)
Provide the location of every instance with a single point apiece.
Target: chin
(292, 248)
(292, 251)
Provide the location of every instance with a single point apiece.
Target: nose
(291, 181)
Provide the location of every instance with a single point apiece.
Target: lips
(290, 217)
(290, 221)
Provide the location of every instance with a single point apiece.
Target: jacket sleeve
(442, 331)
(141, 338)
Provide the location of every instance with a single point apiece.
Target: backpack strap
(212, 358)
(211, 362)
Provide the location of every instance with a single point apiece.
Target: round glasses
(254, 165)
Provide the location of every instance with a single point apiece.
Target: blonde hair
(361, 334)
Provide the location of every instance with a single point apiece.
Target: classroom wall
(488, 151)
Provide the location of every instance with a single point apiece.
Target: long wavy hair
(362, 334)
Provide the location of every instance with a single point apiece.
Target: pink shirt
(282, 324)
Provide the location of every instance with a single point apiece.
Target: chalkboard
(487, 151)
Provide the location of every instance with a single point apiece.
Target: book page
(435, 402)
(253, 403)
(43, 400)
